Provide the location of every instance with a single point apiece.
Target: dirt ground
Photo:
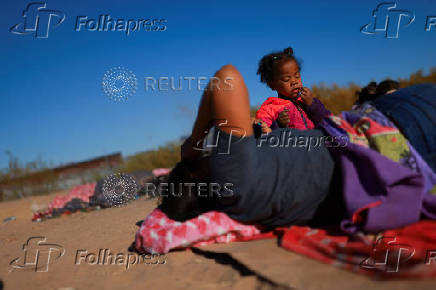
(248, 265)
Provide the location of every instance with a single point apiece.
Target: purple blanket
(379, 193)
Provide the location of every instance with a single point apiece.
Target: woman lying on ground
(284, 183)
(251, 180)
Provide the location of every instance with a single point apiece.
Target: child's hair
(184, 202)
(268, 64)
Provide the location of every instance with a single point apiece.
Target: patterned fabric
(159, 234)
(382, 174)
(388, 141)
(413, 160)
(406, 252)
(408, 159)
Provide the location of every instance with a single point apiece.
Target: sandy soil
(250, 265)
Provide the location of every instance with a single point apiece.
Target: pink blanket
(159, 234)
(83, 192)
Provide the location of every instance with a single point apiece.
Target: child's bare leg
(225, 104)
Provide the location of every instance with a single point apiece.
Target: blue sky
(51, 100)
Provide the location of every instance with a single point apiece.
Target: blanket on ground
(90, 196)
(387, 189)
(76, 199)
(406, 252)
(159, 234)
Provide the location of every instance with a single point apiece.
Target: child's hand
(264, 127)
(306, 95)
(283, 119)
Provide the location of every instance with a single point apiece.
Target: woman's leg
(225, 104)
